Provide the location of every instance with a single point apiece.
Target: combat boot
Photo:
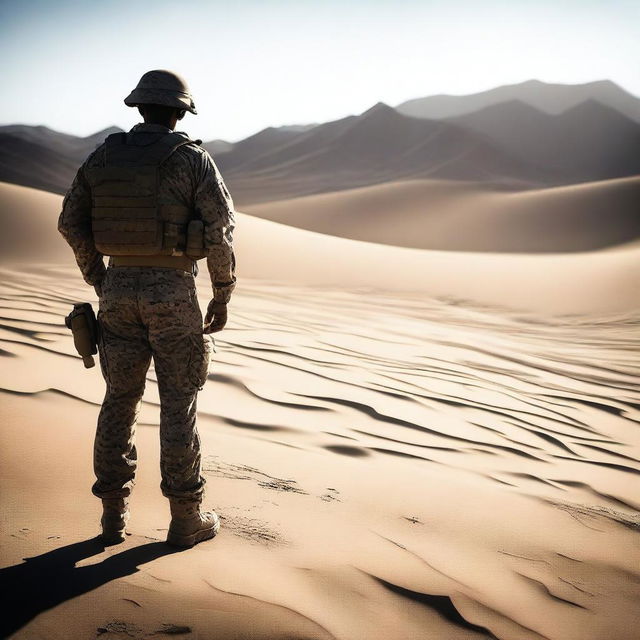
(189, 525)
(115, 514)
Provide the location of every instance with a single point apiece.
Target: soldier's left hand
(216, 317)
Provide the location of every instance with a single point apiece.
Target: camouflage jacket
(190, 176)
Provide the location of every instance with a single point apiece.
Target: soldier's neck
(171, 124)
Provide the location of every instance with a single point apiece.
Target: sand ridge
(471, 217)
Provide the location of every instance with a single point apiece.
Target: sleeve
(74, 224)
(215, 206)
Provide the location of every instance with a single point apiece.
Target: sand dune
(386, 464)
(545, 284)
(385, 467)
(456, 216)
(272, 251)
(29, 226)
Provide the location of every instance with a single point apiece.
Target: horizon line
(379, 102)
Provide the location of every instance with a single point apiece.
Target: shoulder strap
(158, 152)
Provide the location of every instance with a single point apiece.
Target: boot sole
(185, 541)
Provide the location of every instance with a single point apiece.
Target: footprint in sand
(331, 495)
(121, 629)
(251, 529)
(214, 466)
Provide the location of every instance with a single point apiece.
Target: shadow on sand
(45, 581)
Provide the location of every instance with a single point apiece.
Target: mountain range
(546, 97)
(43, 158)
(524, 136)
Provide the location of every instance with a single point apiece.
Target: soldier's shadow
(47, 580)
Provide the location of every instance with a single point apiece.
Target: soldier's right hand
(216, 317)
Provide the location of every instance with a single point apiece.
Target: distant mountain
(550, 98)
(54, 140)
(256, 145)
(92, 142)
(510, 144)
(590, 141)
(377, 146)
(71, 146)
(214, 147)
(34, 165)
(43, 158)
(297, 128)
(264, 139)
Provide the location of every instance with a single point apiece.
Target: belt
(174, 262)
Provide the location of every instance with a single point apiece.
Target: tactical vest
(127, 216)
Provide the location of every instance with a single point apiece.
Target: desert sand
(560, 283)
(401, 443)
(468, 216)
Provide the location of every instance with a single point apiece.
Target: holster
(84, 326)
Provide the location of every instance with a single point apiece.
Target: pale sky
(69, 64)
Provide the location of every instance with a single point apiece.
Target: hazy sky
(250, 64)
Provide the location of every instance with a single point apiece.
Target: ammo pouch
(127, 217)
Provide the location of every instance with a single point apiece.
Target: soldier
(154, 201)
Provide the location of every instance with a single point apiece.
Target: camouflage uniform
(150, 312)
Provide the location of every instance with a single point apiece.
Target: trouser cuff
(112, 494)
(190, 495)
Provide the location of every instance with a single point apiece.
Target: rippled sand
(385, 466)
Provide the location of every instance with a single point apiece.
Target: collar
(143, 127)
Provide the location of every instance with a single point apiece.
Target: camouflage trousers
(150, 312)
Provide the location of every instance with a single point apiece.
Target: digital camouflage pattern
(189, 177)
(153, 312)
(145, 312)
